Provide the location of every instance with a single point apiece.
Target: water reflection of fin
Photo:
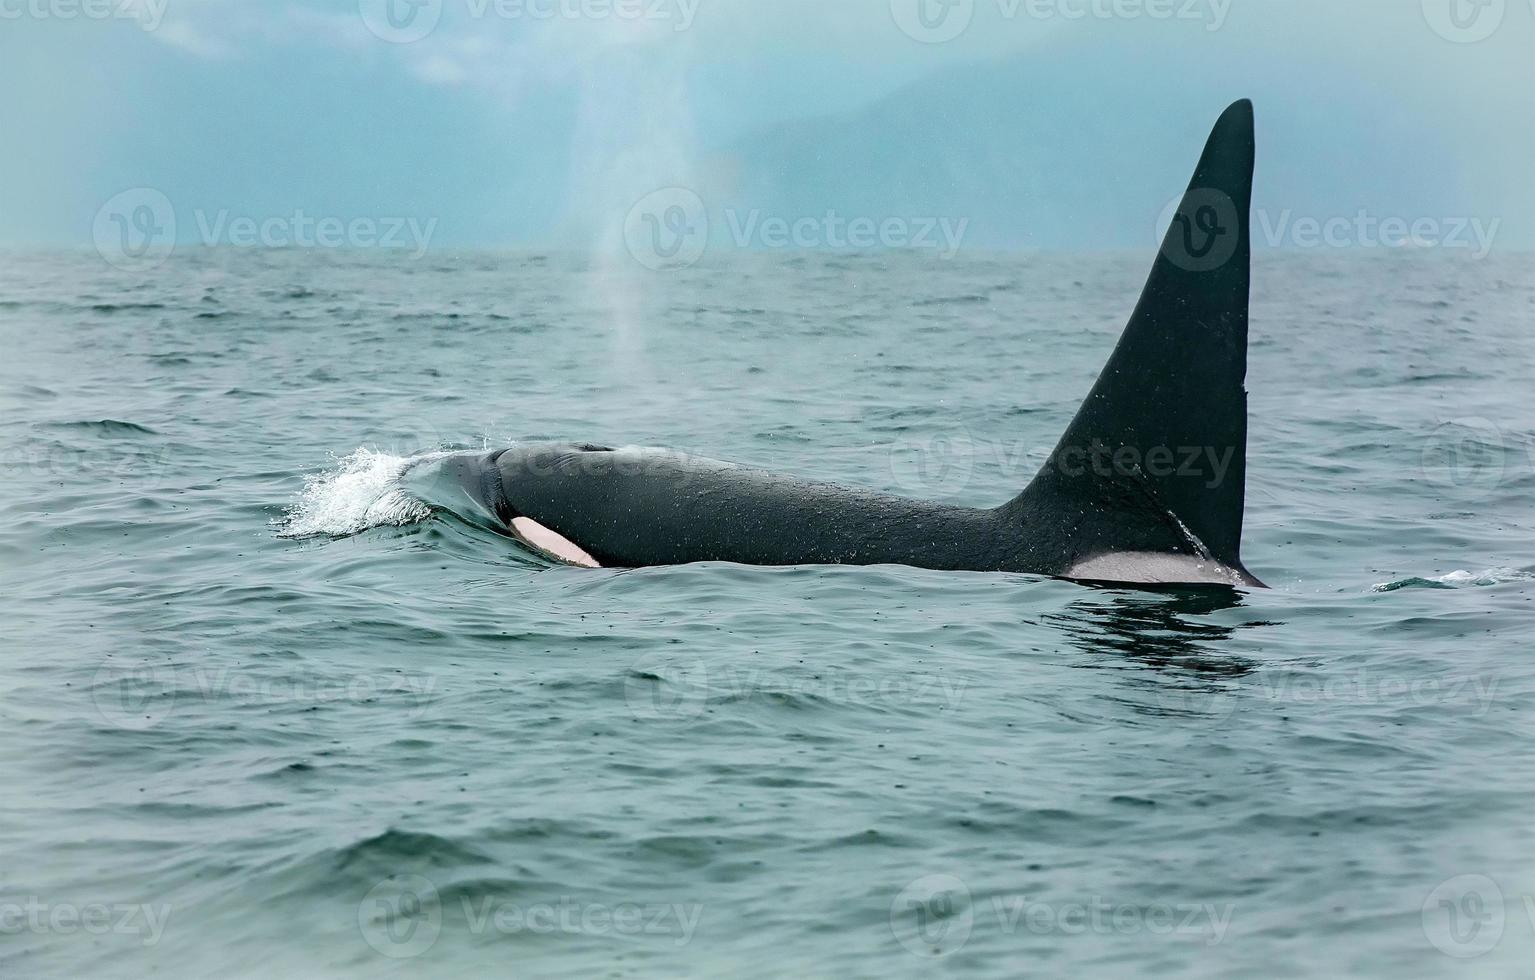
(1160, 629)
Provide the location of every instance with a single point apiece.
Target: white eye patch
(550, 544)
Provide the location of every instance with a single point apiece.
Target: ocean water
(267, 708)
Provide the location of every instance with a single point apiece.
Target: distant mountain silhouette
(1060, 149)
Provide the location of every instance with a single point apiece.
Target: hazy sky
(542, 122)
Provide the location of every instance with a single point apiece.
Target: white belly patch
(551, 544)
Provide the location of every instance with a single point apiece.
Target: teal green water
(266, 711)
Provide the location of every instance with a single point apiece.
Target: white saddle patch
(550, 544)
(1146, 568)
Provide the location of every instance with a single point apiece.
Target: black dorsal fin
(1156, 458)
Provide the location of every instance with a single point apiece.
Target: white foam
(1460, 579)
(363, 492)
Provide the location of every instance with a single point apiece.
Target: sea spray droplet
(362, 493)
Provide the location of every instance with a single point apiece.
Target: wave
(364, 492)
(384, 852)
(123, 307)
(105, 426)
(1460, 579)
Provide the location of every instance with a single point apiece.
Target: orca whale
(1146, 485)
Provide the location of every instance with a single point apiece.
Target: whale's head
(468, 484)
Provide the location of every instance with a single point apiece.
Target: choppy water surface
(266, 710)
